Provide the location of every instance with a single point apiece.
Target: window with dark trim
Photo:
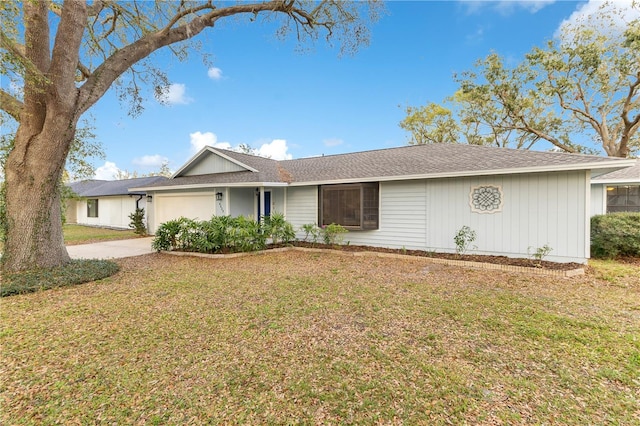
(623, 198)
(92, 207)
(354, 206)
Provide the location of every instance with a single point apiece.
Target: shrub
(311, 230)
(137, 222)
(74, 272)
(615, 234)
(333, 233)
(463, 238)
(278, 229)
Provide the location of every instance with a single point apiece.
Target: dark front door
(267, 204)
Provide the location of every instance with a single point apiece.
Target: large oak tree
(66, 55)
(586, 82)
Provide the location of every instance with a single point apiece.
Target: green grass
(296, 338)
(78, 234)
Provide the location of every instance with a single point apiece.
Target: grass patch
(74, 272)
(304, 338)
(78, 234)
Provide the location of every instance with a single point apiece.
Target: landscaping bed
(496, 260)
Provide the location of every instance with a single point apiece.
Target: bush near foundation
(615, 234)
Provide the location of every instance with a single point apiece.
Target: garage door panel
(192, 206)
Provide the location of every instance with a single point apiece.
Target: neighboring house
(107, 203)
(413, 197)
(617, 191)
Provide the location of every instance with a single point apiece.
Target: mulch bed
(497, 260)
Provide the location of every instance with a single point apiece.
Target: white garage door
(199, 206)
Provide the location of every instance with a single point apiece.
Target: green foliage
(432, 123)
(585, 81)
(616, 234)
(333, 233)
(221, 234)
(75, 272)
(311, 230)
(278, 229)
(137, 222)
(463, 238)
(540, 252)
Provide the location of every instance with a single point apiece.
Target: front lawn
(78, 234)
(311, 338)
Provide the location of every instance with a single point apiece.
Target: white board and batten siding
(537, 209)
(598, 199)
(212, 164)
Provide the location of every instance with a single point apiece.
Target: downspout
(138, 200)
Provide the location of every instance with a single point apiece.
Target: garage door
(200, 206)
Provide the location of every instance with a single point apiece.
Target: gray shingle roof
(628, 174)
(102, 188)
(435, 160)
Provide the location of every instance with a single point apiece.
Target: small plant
(276, 227)
(463, 238)
(333, 233)
(540, 252)
(137, 222)
(311, 230)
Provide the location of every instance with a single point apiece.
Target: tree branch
(115, 65)
(10, 105)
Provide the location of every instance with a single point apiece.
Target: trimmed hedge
(615, 234)
(74, 272)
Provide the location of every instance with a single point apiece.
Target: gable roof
(628, 175)
(407, 162)
(102, 188)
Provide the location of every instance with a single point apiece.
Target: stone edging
(464, 263)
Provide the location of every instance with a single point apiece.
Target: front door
(267, 204)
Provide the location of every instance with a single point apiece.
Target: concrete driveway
(111, 249)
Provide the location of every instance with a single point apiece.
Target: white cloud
(619, 13)
(276, 149)
(175, 94)
(332, 142)
(199, 140)
(150, 160)
(506, 7)
(107, 171)
(214, 73)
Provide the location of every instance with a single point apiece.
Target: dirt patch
(496, 260)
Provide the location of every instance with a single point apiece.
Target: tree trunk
(34, 236)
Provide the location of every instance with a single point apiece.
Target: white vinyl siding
(211, 164)
(598, 199)
(242, 202)
(538, 209)
(302, 206)
(113, 212)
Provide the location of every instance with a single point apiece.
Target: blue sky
(259, 91)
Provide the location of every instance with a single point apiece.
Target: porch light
(218, 196)
(149, 198)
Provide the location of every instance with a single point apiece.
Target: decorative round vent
(486, 199)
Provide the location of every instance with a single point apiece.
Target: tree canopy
(584, 84)
(64, 56)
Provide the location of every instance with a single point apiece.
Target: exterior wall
(278, 202)
(198, 205)
(302, 207)
(538, 209)
(212, 164)
(113, 212)
(243, 202)
(598, 199)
